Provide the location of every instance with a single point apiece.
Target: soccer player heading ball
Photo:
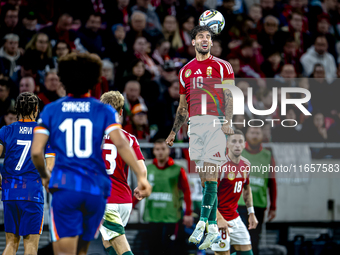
(75, 126)
(207, 144)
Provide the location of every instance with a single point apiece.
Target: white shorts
(239, 235)
(207, 141)
(115, 219)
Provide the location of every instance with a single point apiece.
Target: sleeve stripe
(112, 127)
(41, 130)
(226, 63)
(181, 79)
(230, 68)
(221, 70)
(50, 155)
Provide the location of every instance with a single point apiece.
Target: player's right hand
(171, 138)
(223, 225)
(227, 129)
(144, 187)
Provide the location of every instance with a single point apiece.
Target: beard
(202, 51)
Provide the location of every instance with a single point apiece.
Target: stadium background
(144, 43)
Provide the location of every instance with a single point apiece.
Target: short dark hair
(96, 14)
(25, 104)
(297, 12)
(237, 132)
(199, 29)
(79, 72)
(5, 83)
(10, 111)
(6, 8)
(28, 64)
(61, 41)
(320, 36)
(247, 43)
(161, 41)
(160, 141)
(290, 39)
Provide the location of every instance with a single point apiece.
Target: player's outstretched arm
(248, 200)
(129, 156)
(37, 155)
(181, 117)
(228, 108)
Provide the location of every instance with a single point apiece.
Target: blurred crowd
(144, 43)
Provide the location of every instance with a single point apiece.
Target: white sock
(212, 228)
(200, 224)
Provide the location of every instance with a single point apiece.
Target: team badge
(209, 71)
(222, 244)
(231, 176)
(245, 174)
(187, 73)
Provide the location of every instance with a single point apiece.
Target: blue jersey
(20, 178)
(76, 127)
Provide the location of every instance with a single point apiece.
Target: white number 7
(27, 145)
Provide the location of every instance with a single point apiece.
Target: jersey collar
(26, 120)
(169, 163)
(253, 152)
(81, 96)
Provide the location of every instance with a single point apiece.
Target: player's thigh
(12, 217)
(13, 240)
(125, 212)
(66, 246)
(82, 247)
(211, 171)
(196, 133)
(113, 225)
(215, 147)
(120, 244)
(246, 247)
(222, 252)
(240, 234)
(66, 216)
(93, 211)
(31, 243)
(32, 218)
(223, 245)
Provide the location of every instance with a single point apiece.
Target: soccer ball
(213, 19)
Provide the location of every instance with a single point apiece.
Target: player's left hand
(252, 221)
(271, 215)
(45, 181)
(188, 221)
(0, 182)
(227, 129)
(137, 194)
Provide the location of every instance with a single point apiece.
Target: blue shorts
(23, 217)
(76, 214)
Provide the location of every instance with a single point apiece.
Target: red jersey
(199, 77)
(118, 170)
(230, 186)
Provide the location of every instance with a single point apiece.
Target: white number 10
(199, 82)
(73, 133)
